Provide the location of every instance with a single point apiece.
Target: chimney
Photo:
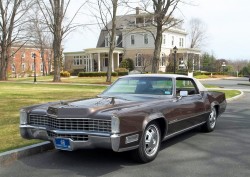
(137, 10)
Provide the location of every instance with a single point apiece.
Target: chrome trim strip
(181, 131)
(83, 118)
(176, 120)
(67, 132)
(128, 148)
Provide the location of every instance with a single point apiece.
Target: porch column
(112, 62)
(118, 54)
(99, 62)
(199, 62)
(91, 62)
(87, 64)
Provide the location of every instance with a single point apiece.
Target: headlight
(23, 117)
(115, 124)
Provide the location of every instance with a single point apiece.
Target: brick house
(22, 62)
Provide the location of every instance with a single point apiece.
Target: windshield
(141, 85)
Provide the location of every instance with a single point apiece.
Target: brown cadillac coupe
(136, 113)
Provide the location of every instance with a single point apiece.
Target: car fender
(152, 117)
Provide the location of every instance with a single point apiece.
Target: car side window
(186, 84)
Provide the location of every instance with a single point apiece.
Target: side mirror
(183, 93)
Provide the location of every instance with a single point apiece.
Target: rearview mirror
(183, 93)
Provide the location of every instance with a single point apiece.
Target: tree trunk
(58, 15)
(112, 42)
(57, 63)
(4, 63)
(157, 50)
(4, 68)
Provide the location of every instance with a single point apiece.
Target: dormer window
(132, 39)
(107, 41)
(145, 38)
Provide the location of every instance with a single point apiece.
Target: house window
(145, 38)
(106, 60)
(77, 60)
(107, 41)
(13, 68)
(172, 40)
(13, 53)
(132, 39)
(23, 67)
(163, 59)
(116, 40)
(164, 39)
(41, 67)
(139, 60)
(181, 41)
(23, 55)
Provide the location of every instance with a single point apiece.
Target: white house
(134, 41)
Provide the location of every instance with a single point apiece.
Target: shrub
(95, 74)
(118, 70)
(76, 71)
(128, 64)
(121, 71)
(64, 74)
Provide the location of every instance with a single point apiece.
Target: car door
(190, 108)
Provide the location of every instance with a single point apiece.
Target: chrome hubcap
(212, 118)
(151, 140)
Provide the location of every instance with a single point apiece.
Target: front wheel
(211, 121)
(149, 145)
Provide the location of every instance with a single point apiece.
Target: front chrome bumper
(95, 140)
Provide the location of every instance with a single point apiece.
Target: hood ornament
(112, 100)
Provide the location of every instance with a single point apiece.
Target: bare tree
(39, 35)
(147, 61)
(105, 10)
(12, 19)
(54, 13)
(163, 20)
(197, 33)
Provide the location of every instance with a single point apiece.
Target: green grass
(78, 80)
(202, 77)
(13, 96)
(229, 93)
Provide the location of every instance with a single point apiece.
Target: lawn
(78, 80)
(14, 95)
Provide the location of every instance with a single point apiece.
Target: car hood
(85, 108)
(99, 107)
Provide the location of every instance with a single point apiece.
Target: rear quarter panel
(217, 98)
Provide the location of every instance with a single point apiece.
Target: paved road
(229, 83)
(224, 153)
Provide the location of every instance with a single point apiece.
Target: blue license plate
(62, 143)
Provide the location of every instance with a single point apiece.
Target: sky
(227, 22)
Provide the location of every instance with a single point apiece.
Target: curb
(8, 157)
(236, 97)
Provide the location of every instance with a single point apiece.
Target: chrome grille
(93, 125)
(73, 137)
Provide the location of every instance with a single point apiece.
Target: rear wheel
(149, 145)
(211, 121)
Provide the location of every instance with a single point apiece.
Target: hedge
(95, 74)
